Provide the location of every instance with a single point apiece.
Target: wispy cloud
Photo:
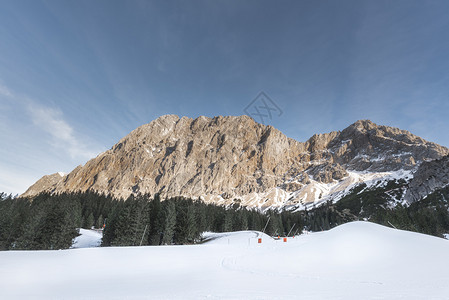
(38, 139)
(51, 121)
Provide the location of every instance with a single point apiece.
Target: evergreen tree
(192, 226)
(109, 232)
(140, 219)
(89, 221)
(170, 223)
(202, 220)
(181, 228)
(124, 231)
(229, 221)
(244, 220)
(100, 222)
(156, 221)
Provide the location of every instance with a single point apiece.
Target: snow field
(358, 260)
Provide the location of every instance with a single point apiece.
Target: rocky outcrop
(365, 146)
(223, 158)
(429, 177)
(46, 184)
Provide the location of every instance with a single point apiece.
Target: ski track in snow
(87, 239)
(358, 260)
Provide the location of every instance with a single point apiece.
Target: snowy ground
(358, 260)
(88, 239)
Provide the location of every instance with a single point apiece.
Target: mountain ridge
(233, 158)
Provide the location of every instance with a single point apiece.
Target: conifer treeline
(149, 221)
(51, 221)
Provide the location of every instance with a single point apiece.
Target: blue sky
(76, 76)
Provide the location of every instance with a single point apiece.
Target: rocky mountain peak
(363, 125)
(369, 129)
(382, 148)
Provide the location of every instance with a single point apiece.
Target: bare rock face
(45, 184)
(365, 146)
(223, 158)
(173, 156)
(327, 172)
(429, 177)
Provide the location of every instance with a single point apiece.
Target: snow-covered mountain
(357, 260)
(228, 160)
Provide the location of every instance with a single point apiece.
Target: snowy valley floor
(359, 260)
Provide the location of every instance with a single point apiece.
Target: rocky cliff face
(429, 177)
(222, 159)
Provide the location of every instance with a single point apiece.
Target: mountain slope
(225, 160)
(45, 184)
(429, 177)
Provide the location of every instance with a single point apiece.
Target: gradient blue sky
(76, 76)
